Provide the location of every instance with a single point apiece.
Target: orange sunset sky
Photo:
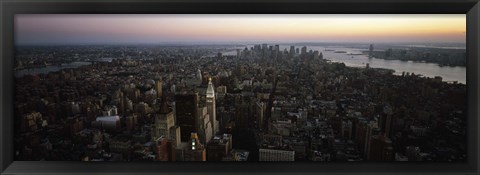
(132, 28)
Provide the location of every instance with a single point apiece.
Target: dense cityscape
(263, 103)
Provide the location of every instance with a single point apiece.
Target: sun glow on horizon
(75, 28)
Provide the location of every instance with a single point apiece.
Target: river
(447, 73)
(47, 69)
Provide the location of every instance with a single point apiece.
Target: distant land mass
(443, 56)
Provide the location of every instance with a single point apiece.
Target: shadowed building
(276, 155)
(380, 148)
(219, 147)
(192, 150)
(185, 109)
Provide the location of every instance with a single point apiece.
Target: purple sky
(99, 29)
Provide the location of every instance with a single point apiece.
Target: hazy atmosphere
(320, 88)
(184, 28)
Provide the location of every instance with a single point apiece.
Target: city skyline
(117, 103)
(212, 29)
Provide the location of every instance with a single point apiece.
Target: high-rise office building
(276, 52)
(304, 50)
(243, 112)
(211, 110)
(185, 109)
(204, 127)
(386, 124)
(260, 109)
(264, 47)
(363, 132)
(164, 121)
(315, 55)
(292, 51)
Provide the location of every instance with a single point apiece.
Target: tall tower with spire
(211, 110)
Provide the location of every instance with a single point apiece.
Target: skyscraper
(260, 109)
(211, 110)
(264, 47)
(164, 120)
(292, 51)
(276, 52)
(204, 125)
(186, 107)
(304, 50)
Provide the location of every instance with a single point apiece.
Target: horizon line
(232, 43)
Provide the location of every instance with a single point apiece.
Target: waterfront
(351, 58)
(47, 69)
(426, 69)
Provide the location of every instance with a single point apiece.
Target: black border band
(9, 8)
